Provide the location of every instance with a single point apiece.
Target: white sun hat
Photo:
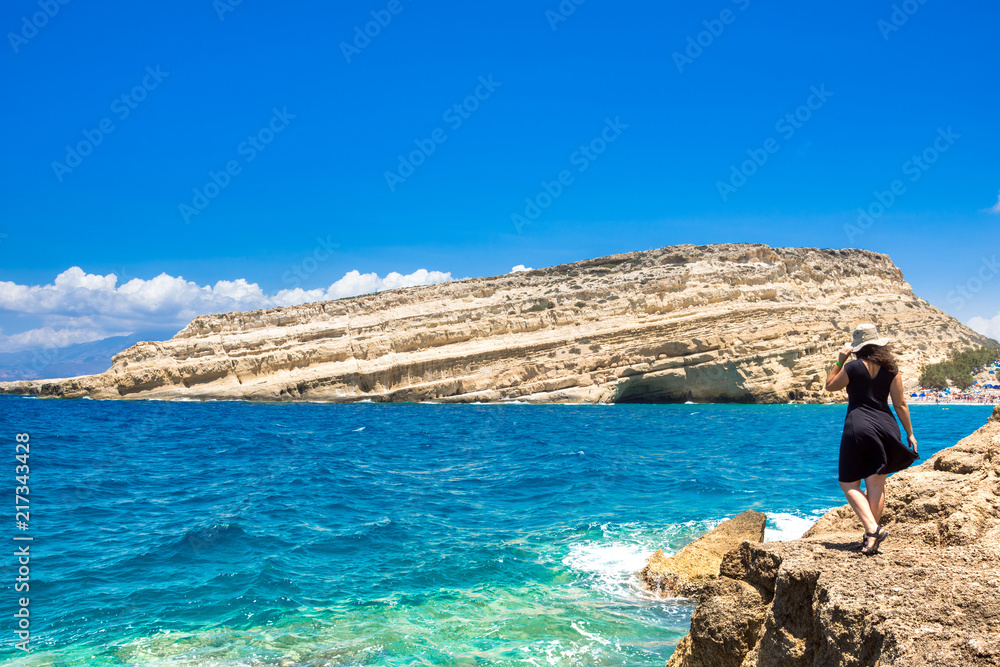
(866, 334)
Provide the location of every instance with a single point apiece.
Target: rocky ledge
(685, 573)
(931, 597)
(734, 322)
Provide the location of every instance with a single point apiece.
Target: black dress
(870, 444)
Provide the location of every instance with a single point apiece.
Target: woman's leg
(875, 492)
(859, 503)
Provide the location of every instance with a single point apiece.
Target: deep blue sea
(169, 533)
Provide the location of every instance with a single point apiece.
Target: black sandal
(880, 534)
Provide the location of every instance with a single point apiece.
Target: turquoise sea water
(366, 534)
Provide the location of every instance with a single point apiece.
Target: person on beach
(870, 447)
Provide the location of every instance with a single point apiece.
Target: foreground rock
(735, 322)
(930, 598)
(686, 572)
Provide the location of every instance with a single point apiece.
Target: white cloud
(79, 307)
(521, 267)
(996, 207)
(987, 327)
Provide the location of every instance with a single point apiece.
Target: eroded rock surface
(733, 322)
(930, 598)
(687, 571)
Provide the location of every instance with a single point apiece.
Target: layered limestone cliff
(931, 597)
(734, 322)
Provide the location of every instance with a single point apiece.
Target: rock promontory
(684, 573)
(929, 598)
(724, 323)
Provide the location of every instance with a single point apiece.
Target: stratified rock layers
(930, 598)
(734, 322)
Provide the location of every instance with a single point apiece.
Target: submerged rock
(698, 563)
(931, 597)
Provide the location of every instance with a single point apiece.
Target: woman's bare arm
(902, 409)
(837, 378)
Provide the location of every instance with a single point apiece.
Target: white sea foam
(553, 652)
(704, 525)
(611, 565)
(607, 560)
(590, 635)
(782, 526)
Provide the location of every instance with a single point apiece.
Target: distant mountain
(69, 361)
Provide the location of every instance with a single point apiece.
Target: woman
(870, 447)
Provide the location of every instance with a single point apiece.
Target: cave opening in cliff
(653, 398)
(683, 387)
(650, 392)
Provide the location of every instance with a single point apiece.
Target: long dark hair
(879, 354)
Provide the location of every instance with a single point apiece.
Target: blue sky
(259, 145)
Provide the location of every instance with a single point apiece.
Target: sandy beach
(985, 392)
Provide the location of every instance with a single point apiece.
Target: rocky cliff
(931, 597)
(734, 322)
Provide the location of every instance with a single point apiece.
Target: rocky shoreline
(721, 323)
(931, 597)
